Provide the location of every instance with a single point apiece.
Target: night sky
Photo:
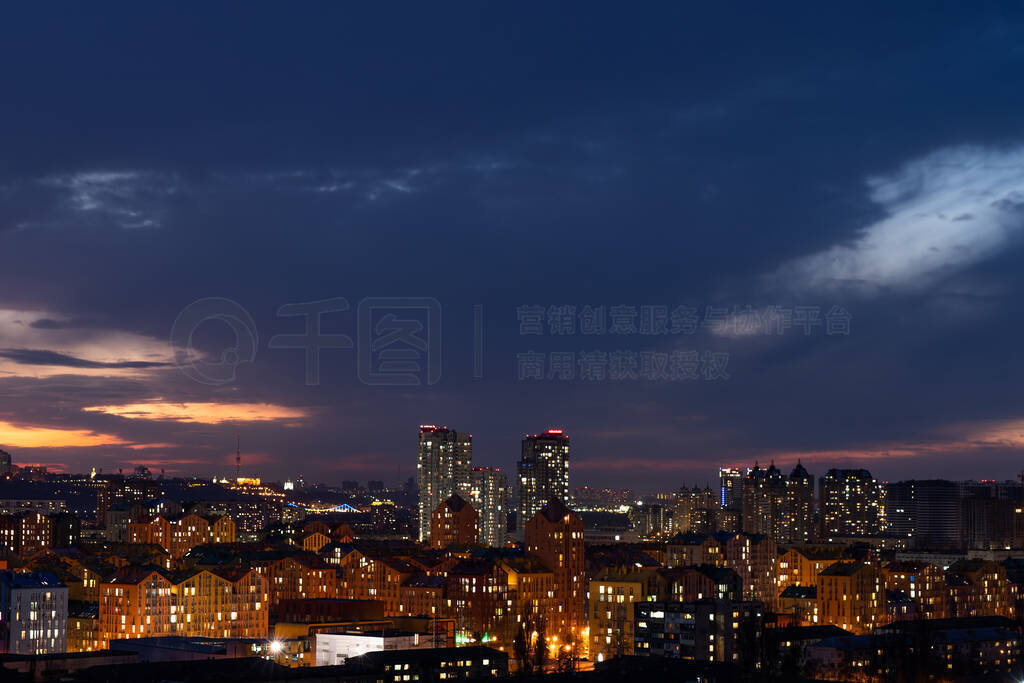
(803, 227)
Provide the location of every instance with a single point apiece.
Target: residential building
(33, 613)
(454, 522)
(488, 494)
(555, 537)
(852, 504)
(543, 474)
(851, 595)
(443, 466)
(705, 630)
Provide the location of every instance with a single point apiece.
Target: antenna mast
(238, 455)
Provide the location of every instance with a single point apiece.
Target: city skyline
(491, 341)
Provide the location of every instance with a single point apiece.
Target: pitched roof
(801, 593)
(424, 581)
(555, 510)
(472, 567)
(688, 539)
(843, 569)
(799, 472)
(455, 502)
(133, 575)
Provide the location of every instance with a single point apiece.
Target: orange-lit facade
(851, 595)
(84, 633)
(980, 588)
(299, 577)
(800, 566)
(454, 522)
(222, 529)
(687, 550)
(613, 593)
(224, 603)
(531, 587)
(365, 577)
(923, 583)
(478, 599)
(555, 537)
(26, 533)
(136, 603)
(313, 542)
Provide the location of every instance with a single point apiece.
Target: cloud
(959, 438)
(20, 436)
(42, 357)
(132, 199)
(62, 346)
(67, 324)
(145, 198)
(944, 213)
(203, 413)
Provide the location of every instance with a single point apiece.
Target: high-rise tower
(852, 503)
(731, 483)
(487, 494)
(798, 524)
(443, 467)
(543, 473)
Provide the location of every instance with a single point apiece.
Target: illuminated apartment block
(226, 602)
(799, 605)
(555, 537)
(685, 550)
(488, 494)
(764, 499)
(696, 510)
(531, 587)
(136, 603)
(730, 488)
(177, 534)
(33, 613)
(84, 627)
(222, 529)
(454, 522)
(374, 577)
(443, 465)
(851, 595)
(299, 577)
(313, 542)
(754, 558)
(124, 490)
(478, 600)
(852, 503)
(708, 630)
(186, 532)
(798, 511)
(979, 588)
(922, 582)
(26, 533)
(612, 595)
(685, 584)
(543, 474)
(422, 595)
(800, 566)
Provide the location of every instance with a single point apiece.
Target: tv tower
(238, 455)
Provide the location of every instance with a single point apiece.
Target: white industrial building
(335, 648)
